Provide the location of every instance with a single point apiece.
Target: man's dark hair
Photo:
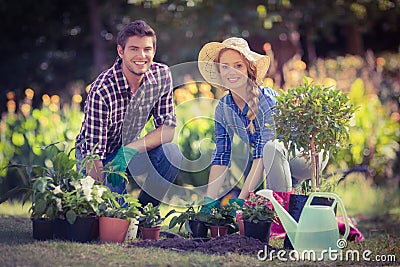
(136, 28)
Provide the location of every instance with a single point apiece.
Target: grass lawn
(17, 247)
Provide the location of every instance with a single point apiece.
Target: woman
(247, 111)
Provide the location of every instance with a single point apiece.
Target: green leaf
(169, 213)
(39, 207)
(51, 212)
(173, 222)
(71, 216)
(40, 184)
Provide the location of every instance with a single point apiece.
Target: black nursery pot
(83, 229)
(198, 228)
(260, 230)
(60, 229)
(296, 205)
(42, 229)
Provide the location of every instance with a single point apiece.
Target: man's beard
(137, 73)
(131, 70)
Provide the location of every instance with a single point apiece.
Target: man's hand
(119, 164)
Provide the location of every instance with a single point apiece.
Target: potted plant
(62, 195)
(80, 206)
(312, 118)
(221, 219)
(115, 218)
(45, 187)
(194, 221)
(62, 173)
(257, 214)
(44, 207)
(150, 220)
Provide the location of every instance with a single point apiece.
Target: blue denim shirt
(230, 120)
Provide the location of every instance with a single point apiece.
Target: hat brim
(209, 68)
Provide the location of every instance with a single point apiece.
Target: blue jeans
(153, 170)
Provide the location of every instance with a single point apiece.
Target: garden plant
(150, 221)
(117, 212)
(192, 219)
(312, 118)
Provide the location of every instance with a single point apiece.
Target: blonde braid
(252, 90)
(253, 106)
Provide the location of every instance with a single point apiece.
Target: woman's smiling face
(233, 69)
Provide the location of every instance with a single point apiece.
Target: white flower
(57, 189)
(100, 190)
(88, 182)
(76, 184)
(87, 192)
(58, 203)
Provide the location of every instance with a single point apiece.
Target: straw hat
(209, 52)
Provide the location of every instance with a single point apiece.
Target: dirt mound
(230, 243)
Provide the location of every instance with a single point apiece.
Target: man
(120, 102)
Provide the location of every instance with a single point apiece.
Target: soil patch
(234, 243)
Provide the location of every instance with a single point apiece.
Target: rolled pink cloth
(277, 229)
(355, 234)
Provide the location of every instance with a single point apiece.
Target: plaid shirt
(230, 120)
(115, 116)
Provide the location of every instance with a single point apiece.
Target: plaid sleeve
(96, 113)
(222, 152)
(164, 112)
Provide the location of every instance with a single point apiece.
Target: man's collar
(150, 76)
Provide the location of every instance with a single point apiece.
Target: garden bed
(233, 243)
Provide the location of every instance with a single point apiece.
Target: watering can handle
(341, 206)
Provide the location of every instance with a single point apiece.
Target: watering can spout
(286, 219)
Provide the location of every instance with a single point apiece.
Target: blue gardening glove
(119, 163)
(210, 204)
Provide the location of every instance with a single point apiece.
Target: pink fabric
(277, 229)
(355, 234)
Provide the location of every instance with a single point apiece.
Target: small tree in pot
(312, 118)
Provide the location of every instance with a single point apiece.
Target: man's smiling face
(138, 54)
